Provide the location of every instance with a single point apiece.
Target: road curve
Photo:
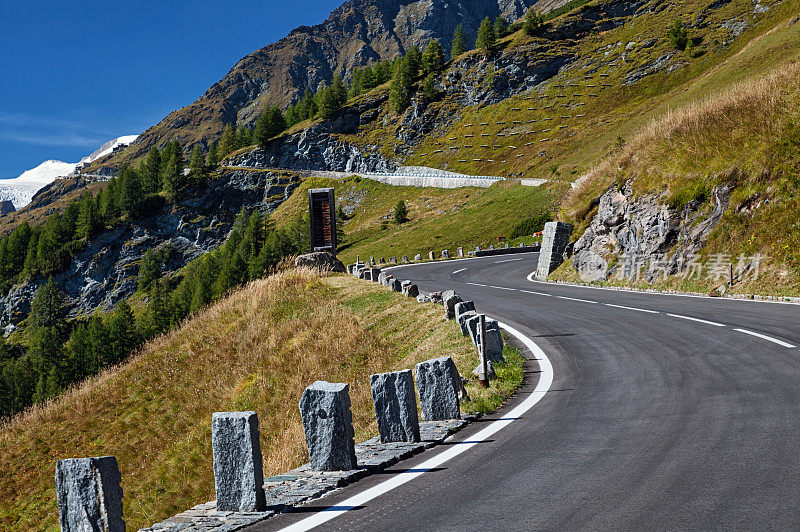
(665, 413)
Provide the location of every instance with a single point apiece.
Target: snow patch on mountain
(21, 190)
(108, 147)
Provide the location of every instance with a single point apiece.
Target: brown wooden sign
(322, 216)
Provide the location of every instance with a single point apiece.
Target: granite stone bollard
(405, 259)
(238, 468)
(383, 260)
(555, 239)
(395, 285)
(374, 274)
(89, 494)
(436, 298)
(405, 284)
(463, 319)
(328, 425)
(461, 308)
(450, 299)
(392, 260)
(412, 290)
(494, 340)
(445, 254)
(382, 278)
(418, 257)
(423, 299)
(395, 406)
(460, 252)
(431, 255)
(438, 383)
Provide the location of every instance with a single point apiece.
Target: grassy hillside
(614, 83)
(438, 218)
(256, 350)
(747, 137)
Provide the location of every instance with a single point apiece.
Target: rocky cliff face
(357, 33)
(106, 271)
(641, 238)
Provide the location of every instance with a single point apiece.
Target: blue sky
(78, 73)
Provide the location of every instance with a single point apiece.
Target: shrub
(678, 36)
(530, 225)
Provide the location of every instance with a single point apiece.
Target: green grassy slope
(438, 218)
(256, 350)
(564, 126)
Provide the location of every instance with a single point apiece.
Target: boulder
(436, 297)
(395, 406)
(89, 494)
(238, 468)
(328, 426)
(450, 299)
(321, 260)
(423, 299)
(438, 383)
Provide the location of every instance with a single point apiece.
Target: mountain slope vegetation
(255, 350)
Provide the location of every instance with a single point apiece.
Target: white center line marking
(503, 288)
(360, 499)
(507, 260)
(478, 284)
(459, 271)
(536, 293)
(633, 308)
(576, 299)
(698, 320)
(767, 338)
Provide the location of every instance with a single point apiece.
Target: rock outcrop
(357, 33)
(106, 271)
(650, 239)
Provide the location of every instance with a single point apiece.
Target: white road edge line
(576, 299)
(507, 260)
(536, 293)
(542, 387)
(478, 284)
(503, 288)
(459, 271)
(698, 320)
(643, 292)
(633, 308)
(767, 338)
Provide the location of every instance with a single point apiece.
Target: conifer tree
(433, 58)
(131, 192)
(174, 181)
(212, 159)
(459, 45)
(486, 36)
(122, 332)
(150, 170)
(46, 327)
(227, 143)
(400, 92)
(534, 22)
(413, 61)
(149, 271)
(88, 218)
(500, 27)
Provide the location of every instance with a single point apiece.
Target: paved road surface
(665, 413)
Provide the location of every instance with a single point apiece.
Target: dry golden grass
(256, 350)
(731, 129)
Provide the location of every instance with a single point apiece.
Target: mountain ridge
(357, 33)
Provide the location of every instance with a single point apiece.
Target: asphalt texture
(653, 422)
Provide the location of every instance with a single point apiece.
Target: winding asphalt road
(665, 413)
